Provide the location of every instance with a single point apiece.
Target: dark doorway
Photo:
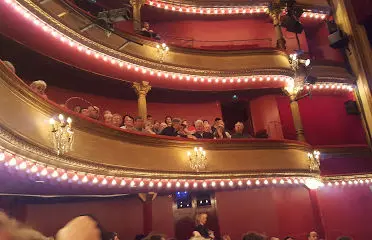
(237, 111)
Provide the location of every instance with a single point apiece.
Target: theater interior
(296, 74)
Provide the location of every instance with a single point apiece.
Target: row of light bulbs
(330, 86)
(224, 10)
(48, 172)
(122, 64)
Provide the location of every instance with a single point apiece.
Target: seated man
(174, 129)
(239, 127)
(94, 112)
(117, 120)
(200, 133)
(139, 124)
(128, 123)
(147, 32)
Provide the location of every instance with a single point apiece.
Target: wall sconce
(198, 159)
(295, 61)
(62, 134)
(162, 50)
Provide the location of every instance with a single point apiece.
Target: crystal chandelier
(314, 160)
(62, 134)
(162, 51)
(197, 158)
(297, 65)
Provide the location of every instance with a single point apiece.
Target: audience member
(238, 131)
(117, 120)
(344, 238)
(82, 228)
(110, 236)
(77, 109)
(138, 124)
(162, 126)
(128, 123)
(156, 127)
(94, 112)
(149, 118)
(173, 129)
(147, 32)
(288, 238)
(200, 132)
(205, 122)
(168, 120)
(274, 238)
(312, 236)
(216, 122)
(10, 66)
(188, 129)
(85, 112)
(149, 127)
(10, 229)
(39, 87)
(220, 132)
(253, 236)
(200, 228)
(108, 118)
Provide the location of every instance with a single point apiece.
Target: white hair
(9, 65)
(198, 122)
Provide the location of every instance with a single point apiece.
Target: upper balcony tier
(130, 57)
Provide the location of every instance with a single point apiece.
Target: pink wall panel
(162, 216)
(347, 211)
(265, 115)
(122, 216)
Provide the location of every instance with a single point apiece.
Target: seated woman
(147, 32)
(200, 228)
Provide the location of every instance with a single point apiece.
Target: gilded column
(275, 11)
(137, 4)
(147, 199)
(297, 118)
(142, 89)
(359, 57)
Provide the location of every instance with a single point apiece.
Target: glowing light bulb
(266, 182)
(160, 184)
(104, 181)
(249, 182)
(240, 183)
(64, 176)
(151, 184)
(2, 156)
(55, 174)
(281, 181)
(231, 183)
(204, 184)
(274, 181)
(12, 162)
(23, 165)
(95, 180)
(60, 117)
(187, 184)
(257, 182)
(34, 169)
(44, 172)
(123, 182)
(195, 185)
(178, 184)
(169, 184)
(85, 179)
(75, 178)
(222, 183)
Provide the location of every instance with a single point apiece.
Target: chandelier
(299, 66)
(162, 51)
(314, 160)
(62, 134)
(197, 158)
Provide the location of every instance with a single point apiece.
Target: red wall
(188, 111)
(274, 211)
(324, 119)
(265, 115)
(347, 211)
(162, 216)
(317, 39)
(122, 216)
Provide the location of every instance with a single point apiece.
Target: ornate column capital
(141, 88)
(147, 197)
(137, 3)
